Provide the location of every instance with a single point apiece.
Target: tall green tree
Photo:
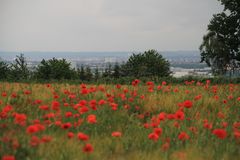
(116, 71)
(88, 73)
(81, 73)
(108, 71)
(19, 68)
(4, 70)
(220, 48)
(147, 64)
(96, 74)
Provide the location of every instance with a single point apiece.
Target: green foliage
(55, 69)
(108, 71)
(85, 74)
(147, 64)
(220, 48)
(96, 74)
(116, 71)
(4, 70)
(19, 69)
(81, 73)
(88, 73)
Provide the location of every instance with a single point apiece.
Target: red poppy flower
(20, 119)
(193, 129)
(175, 90)
(82, 136)
(164, 83)
(155, 121)
(87, 148)
(150, 89)
(146, 125)
(83, 109)
(116, 134)
(8, 157)
(135, 82)
(176, 124)
(236, 125)
(237, 134)
(198, 97)
(179, 115)
(40, 127)
(101, 102)
(208, 81)
(4, 94)
(58, 123)
(66, 125)
(230, 97)
(32, 129)
(46, 139)
(158, 131)
(153, 136)
(150, 83)
(207, 125)
(70, 135)
(114, 106)
(91, 119)
(137, 108)
(7, 108)
(72, 96)
(27, 92)
(84, 91)
(171, 116)
(238, 99)
(220, 133)
(44, 107)
(183, 136)
(55, 105)
(35, 141)
(165, 146)
(65, 104)
(142, 97)
(224, 124)
(14, 95)
(68, 114)
(187, 104)
(15, 144)
(118, 86)
(220, 115)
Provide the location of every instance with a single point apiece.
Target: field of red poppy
(193, 120)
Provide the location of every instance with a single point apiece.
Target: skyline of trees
(60, 69)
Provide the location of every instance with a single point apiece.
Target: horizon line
(101, 51)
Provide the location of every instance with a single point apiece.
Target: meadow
(193, 120)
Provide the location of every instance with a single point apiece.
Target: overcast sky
(104, 25)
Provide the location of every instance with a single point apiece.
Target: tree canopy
(147, 64)
(19, 69)
(4, 70)
(54, 69)
(220, 48)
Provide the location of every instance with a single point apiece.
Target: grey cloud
(104, 25)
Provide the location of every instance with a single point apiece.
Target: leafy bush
(147, 64)
(55, 69)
